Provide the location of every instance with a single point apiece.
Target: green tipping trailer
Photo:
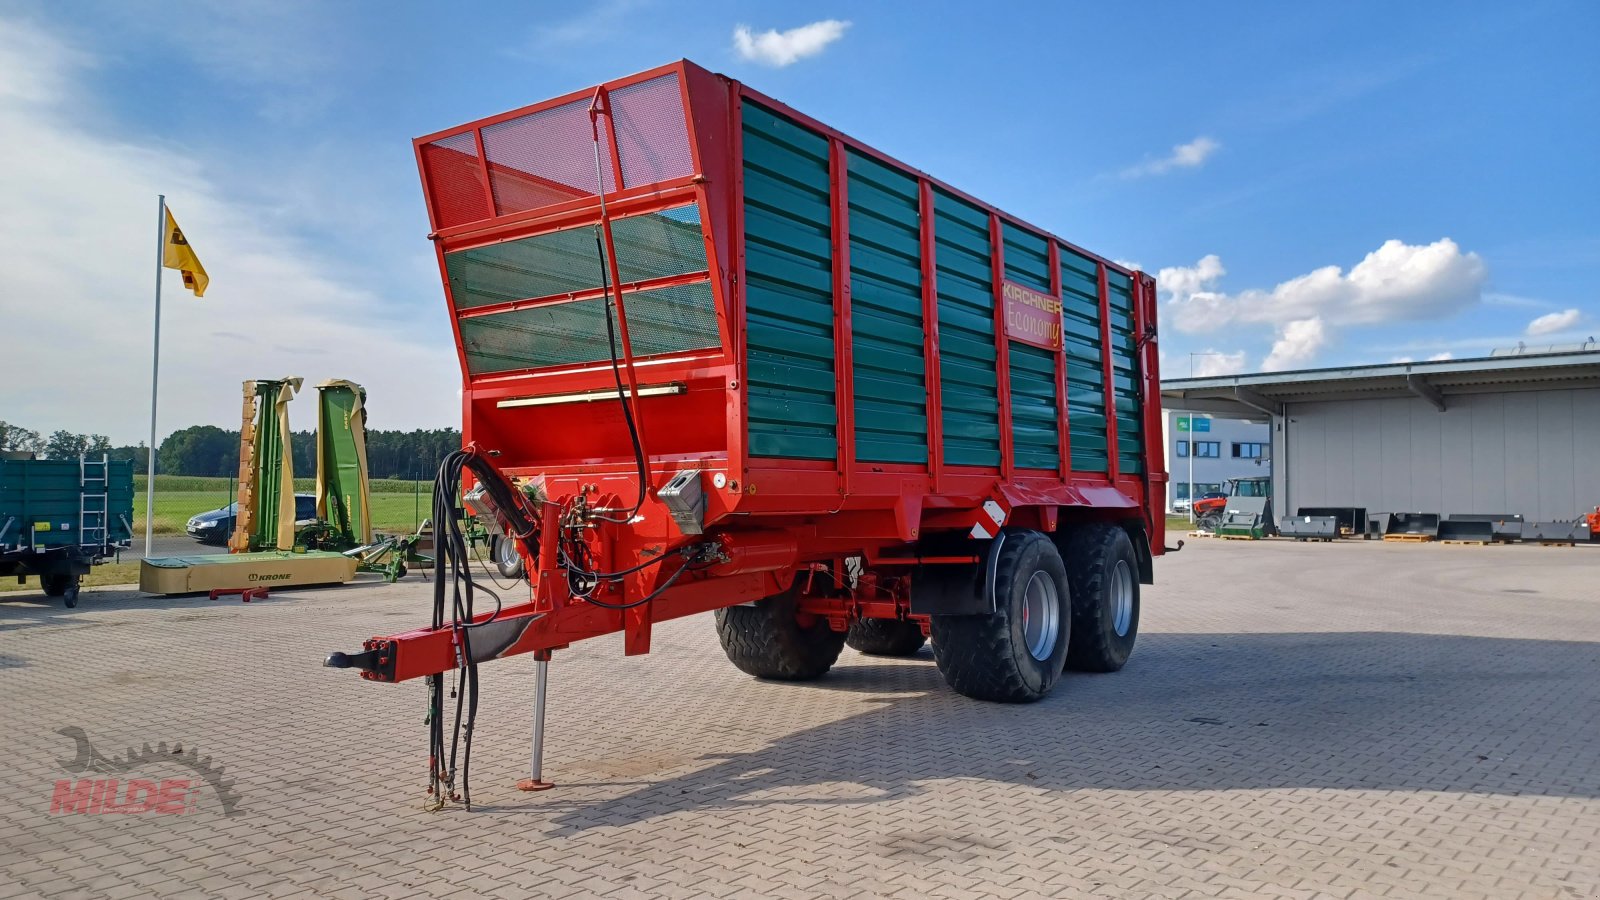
(58, 517)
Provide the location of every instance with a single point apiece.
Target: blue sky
(1316, 186)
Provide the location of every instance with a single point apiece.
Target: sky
(1313, 184)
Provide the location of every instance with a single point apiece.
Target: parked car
(216, 526)
(1180, 505)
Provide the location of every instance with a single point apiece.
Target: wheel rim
(1041, 616)
(1121, 598)
(506, 553)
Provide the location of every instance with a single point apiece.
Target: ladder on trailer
(94, 503)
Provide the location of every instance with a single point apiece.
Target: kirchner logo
(130, 784)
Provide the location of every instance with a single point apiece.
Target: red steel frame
(794, 517)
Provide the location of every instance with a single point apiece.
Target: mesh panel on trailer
(666, 320)
(562, 262)
(543, 158)
(547, 157)
(652, 136)
(453, 177)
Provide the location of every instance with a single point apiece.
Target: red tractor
(1208, 508)
(718, 356)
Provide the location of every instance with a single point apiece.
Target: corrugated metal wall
(1125, 373)
(1086, 398)
(967, 384)
(790, 337)
(789, 288)
(1534, 453)
(891, 397)
(1036, 442)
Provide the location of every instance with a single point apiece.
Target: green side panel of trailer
(788, 288)
(1086, 399)
(1125, 374)
(1035, 440)
(48, 502)
(890, 374)
(965, 283)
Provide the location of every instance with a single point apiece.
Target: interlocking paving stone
(1316, 720)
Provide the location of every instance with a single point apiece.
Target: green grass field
(303, 485)
(396, 505)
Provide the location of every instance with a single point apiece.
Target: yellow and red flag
(179, 255)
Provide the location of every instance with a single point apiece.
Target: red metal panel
(1002, 346)
(1150, 396)
(1063, 420)
(603, 98)
(843, 332)
(930, 335)
(740, 411)
(1112, 465)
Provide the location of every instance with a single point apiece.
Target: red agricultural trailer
(719, 356)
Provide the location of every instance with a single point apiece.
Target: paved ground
(1298, 720)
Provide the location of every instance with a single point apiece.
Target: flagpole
(155, 377)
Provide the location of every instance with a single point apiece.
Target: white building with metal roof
(1516, 433)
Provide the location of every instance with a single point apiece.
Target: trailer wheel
(55, 584)
(1104, 572)
(1015, 654)
(767, 639)
(69, 597)
(885, 637)
(506, 557)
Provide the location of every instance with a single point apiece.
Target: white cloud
(1297, 344)
(1396, 282)
(1212, 363)
(782, 48)
(1442, 356)
(1183, 156)
(1494, 298)
(78, 223)
(1553, 323)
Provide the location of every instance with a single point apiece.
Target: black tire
(69, 597)
(1101, 565)
(56, 584)
(506, 557)
(1209, 521)
(765, 639)
(988, 657)
(885, 637)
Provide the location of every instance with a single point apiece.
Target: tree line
(207, 450)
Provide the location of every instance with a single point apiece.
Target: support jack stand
(535, 781)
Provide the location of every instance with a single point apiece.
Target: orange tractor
(1208, 509)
